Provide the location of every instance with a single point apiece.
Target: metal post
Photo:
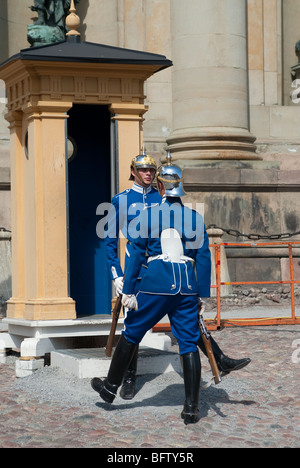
(292, 282)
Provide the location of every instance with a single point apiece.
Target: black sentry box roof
(73, 50)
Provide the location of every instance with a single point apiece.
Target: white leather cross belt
(165, 258)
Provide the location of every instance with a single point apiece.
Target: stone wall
(5, 221)
(5, 270)
(259, 197)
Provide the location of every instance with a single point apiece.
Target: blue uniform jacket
(163, 277)
(126, 207)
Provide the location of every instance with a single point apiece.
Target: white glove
(202, 305)
(130, 301)
(118, 282)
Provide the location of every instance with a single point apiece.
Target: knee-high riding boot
(122, 357)
(128, 388)
(192, 374)
(224, 363)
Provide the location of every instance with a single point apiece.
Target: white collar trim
(140, 189)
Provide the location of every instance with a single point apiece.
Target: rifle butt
(212, 360)
(114, 323)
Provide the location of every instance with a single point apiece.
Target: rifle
(115, 317)
(206, 339)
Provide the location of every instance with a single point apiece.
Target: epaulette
(153, 205)
(121, 193)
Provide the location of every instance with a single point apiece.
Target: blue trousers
(181, 310)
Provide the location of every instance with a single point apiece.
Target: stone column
(130, 141)
(16, 304)
(210, 90)
(130, 136)
(39, 213)
(291, 35)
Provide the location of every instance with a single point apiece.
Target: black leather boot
(128, 388)
(192, 374)
(227, 365)
(122, 357)
(224, 363)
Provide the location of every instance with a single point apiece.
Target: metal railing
(219, 322)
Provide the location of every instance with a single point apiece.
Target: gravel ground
(53, 386)
(256, 407)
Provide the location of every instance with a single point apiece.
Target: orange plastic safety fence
(218, 322)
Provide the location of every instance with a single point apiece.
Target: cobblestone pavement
(258, 406)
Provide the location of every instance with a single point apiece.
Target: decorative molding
(36, 81)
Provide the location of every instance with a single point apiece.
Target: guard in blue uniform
(172, 235)
(126, 207)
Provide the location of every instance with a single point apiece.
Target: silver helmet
(172, 178)
(142, 161)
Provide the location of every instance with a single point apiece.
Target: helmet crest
(171, 177)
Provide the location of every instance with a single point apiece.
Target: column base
(213, 143)
(41, 309)
(50, 309)
(15, 308)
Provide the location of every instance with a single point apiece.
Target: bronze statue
(50, 25)
(51, 12)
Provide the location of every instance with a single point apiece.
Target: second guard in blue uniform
(172, 235)
(126, 207)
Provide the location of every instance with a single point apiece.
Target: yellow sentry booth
(97, 88)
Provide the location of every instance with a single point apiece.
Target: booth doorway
(88, 185)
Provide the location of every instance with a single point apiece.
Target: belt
(166, 258)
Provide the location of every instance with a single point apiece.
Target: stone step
(92, 362)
